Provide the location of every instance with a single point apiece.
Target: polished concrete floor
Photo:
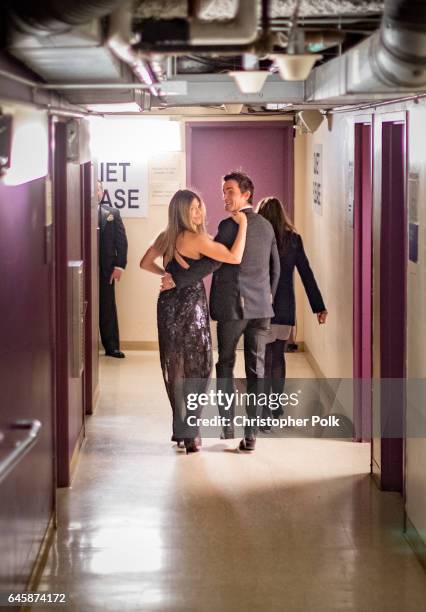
(296, 526)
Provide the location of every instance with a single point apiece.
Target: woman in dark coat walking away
(292, 255)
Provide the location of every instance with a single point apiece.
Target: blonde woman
(182, 314)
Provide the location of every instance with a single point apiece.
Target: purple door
(27, 493)
(362, 313)
(68, 216)
(263, 150)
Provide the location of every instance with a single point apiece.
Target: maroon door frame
(362, 279)
(393, 322)
(91, 320)
(288, 171)
(389, 469)
(68, 245)
(62, 335)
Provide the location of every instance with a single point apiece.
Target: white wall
(328, 242)
(416, 332)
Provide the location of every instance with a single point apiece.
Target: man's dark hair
(244, 182)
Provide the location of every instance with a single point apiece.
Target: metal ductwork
(392, 60)
(241, 30)
(65, 43)
(400, 54)
(56, 16)
(179, 35)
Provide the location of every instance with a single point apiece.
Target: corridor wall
(328, 239)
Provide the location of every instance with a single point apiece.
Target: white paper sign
(317, 179)
(350, 193)
(125, 186)
(162, 193)
(413, 197)
(166, 167)
(165, 177)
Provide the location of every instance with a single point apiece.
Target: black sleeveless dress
(185, 349)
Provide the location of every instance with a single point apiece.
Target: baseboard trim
(329, 395)
(313, 362)
(95, 401)
(96, 398)
(76, 452)
(415, 541)
(139, 345)
(41, 559)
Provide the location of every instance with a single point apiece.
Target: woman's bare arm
(148, 261)
(220, 252)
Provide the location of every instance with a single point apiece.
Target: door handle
(18, 449)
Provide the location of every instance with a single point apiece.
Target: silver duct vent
(391, 61)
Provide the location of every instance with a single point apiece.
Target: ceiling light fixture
(294, 66)
(249, 81)
(233, 109)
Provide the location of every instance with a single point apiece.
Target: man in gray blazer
(241, 295)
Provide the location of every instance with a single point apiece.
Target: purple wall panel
(263, 150)
(27, 494)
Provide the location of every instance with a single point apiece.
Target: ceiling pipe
(399, 55)
(392, 60)
(119, 41)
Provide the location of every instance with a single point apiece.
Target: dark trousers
(274, 373)
(255, 333)
(108, 322)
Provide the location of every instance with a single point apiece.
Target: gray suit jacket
(242, 291)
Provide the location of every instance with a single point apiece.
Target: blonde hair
(179, 221)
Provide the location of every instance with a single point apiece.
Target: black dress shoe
(118, 354)
(193, 445)
(247, 444)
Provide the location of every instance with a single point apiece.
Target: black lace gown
(185, 350)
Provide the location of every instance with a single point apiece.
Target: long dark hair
(272, 209)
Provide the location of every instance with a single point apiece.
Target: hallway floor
(296, 526)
